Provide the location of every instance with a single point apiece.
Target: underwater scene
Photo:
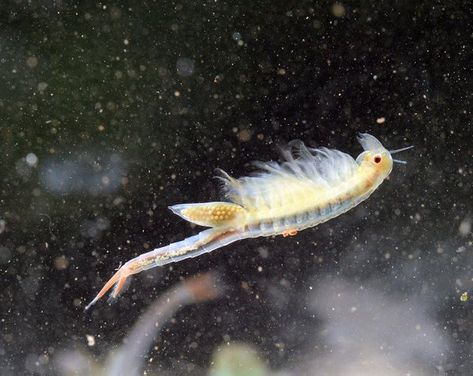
(236, 188)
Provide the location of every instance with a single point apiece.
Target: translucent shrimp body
(312, 186)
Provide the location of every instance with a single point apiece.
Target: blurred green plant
(238, 359)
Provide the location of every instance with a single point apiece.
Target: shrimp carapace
(310, 187)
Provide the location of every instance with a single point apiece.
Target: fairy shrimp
(310, 187)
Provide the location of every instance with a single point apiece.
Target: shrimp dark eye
(377, 159)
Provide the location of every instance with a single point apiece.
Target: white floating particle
(185, 67)
(338, 10)
(32, 62)
(236, 36)
(42, 86)
(90, 340)
(465, 227)
(31, 159)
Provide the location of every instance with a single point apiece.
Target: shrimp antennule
(398, 151)
(401, 149)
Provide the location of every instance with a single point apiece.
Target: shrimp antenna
(399, 150)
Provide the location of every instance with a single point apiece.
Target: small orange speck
(290, 232)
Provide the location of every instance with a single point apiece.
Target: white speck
(260, 269)
(465, 227)
(126, 42)
(105, 180)
(184, 67)
(338, 10)
(32, 62)
(31, 159)
(380, 120)
(42, 86)
(90, 340)
(236, 36)
(281, 71)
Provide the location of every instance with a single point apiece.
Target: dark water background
(111, 111)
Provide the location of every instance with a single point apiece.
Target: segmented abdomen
(301, 220)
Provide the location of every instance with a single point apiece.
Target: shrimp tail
(118, 279)
(204, 242)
